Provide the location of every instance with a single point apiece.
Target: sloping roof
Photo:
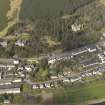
(9, 86)
(89, 63)
(6, 61)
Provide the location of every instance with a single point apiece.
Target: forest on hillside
(52, 33)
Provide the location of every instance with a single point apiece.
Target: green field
(4, 7)
(80, 93)
(39, 8)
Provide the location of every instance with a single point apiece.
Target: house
(68, 55)
(66, 17)
(79, 51)
(89, 74)
(16, 62)
(11, 75)
(35, 86)
(6, 66)
(82, 74)
(5, 82)
(3, 44)
(47, 85)
(58, 57)
(28, 68)
(20, 68)
(9, 68)
(97, 73)
(0, 75)
(66, 73)
(20, 43)
(21, 74)
(101, 69)
(66, 80)
(52, 59)
(6, 101)
(41, 86)
(92, 48)
(60, 76)
(89, 63)
(10, 81)
(102, 57)
(54, 77)
(76, 27)
(52, 84)
(18, 80)
(74, 79)
(10, 88)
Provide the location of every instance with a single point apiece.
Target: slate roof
(73, 52)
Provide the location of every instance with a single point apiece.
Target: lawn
(70, 95)
(80, 93)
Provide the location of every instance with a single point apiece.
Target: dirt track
(15, 6)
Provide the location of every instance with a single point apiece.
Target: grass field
(77, 94)
(80, 93)
(4, 7)
(40, 8)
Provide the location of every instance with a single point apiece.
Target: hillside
(39, 8)
(11, 10)
(9, 14)
(48, 24)
(4, 7)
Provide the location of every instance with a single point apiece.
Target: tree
(44, 63)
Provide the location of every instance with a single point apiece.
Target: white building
(17, 80)
(28, 68)
(47, 85)
(75, 79)
(97, 73)
(68, 55)
(54, 77)
(6, 101)
(89, 74)
(79, 51)
(89, 64)
(3, 44)
(35, 86)
(16, 62)
(92, 48)
(102, 58)
(6, 66)
(66, 80)
(20, 68)
(19, 43)
(52, 61)
(75, 27)
(41, 86)
(10, 91)
(7, 86)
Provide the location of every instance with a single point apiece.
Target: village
(84, 64)
(14, 73)
(41, 73)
